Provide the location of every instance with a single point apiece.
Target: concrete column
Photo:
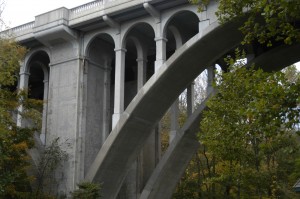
(119, 85)
(141, 76)
(174, 120)
(160, 51)
(210, 78)
(204, 21)
(45, 108)
(24, 78)
(106, 104)
(23, 84)
(190, 98)
(175, 106)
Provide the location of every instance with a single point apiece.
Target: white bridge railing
(72, 12)
(23, 27)
(88, 6)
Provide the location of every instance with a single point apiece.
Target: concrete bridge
(108, 72)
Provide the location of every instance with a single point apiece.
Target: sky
(18, 12)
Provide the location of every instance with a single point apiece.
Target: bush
(87, 190)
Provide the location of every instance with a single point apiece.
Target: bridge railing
(28, 27)
(23, 27)
(87, 6)
(19, 30)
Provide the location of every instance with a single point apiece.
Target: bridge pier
(98, 58)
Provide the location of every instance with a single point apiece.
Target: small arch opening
(178, 31)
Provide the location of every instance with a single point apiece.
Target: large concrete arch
(127, 138)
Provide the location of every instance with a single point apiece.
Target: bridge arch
(91, 36)
(129, 29)
(34, 54)
(140, 54)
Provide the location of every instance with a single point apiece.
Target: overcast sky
(18, 12)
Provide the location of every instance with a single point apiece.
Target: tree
(250, 145)
(266, 21)
(250, 131)
(14, 141)
(249, 137)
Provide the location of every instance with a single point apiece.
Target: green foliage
(249, 135)
(10, 55)
(266, 21)
(250, 131)
(14, 141)
(87, 190)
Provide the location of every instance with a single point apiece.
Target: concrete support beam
(141, 76)
(119, 85)
(106, 104)
(153, 12)
(112, 23)
(172, 165)
(160, 52)
(174, 120)
(45, 108)
(175, 105)
(190, 98)
(23, 85)
(210, 78)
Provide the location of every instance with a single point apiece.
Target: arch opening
(139, 59)
(38, 85)
(178, 31)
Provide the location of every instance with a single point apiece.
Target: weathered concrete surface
(277, 58)
(172, 165)
(127, 138)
